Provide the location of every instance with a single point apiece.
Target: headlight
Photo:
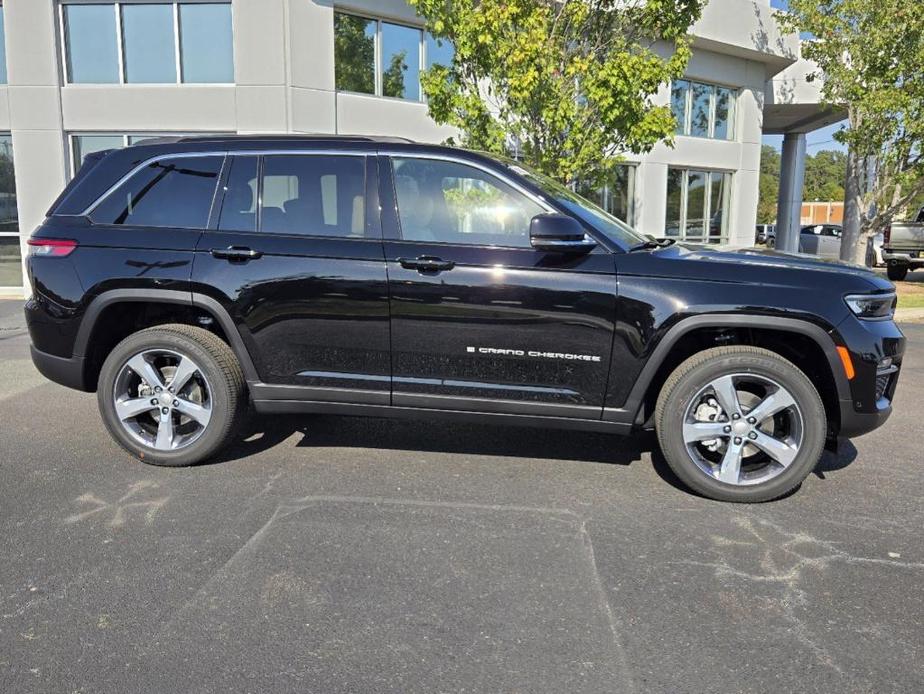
(872, 306)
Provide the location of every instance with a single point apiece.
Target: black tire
(218, 365)
(897, 273)
(693, 375)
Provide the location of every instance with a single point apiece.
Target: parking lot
(337, 555)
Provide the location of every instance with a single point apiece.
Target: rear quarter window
(172, 192)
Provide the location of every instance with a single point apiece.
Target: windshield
(596, 217)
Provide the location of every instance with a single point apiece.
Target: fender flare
(167, 296)
(631, 409)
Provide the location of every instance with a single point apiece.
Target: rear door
(480, 320)
(295, 256)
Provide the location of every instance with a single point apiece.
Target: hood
(769, 264)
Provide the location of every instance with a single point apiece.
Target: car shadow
(437, 437)
(329, 431)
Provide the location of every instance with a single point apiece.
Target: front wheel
(171, 395)
(740, 424)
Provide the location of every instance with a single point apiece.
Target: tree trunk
(851, 238)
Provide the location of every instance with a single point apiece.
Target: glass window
(700, 100)
(239, 205)
(439, 51)
(92, 49)
(205, 43)
(354, 53)
(697, 205)
(313, 195)
(173, 192)
(447, 202)
(2, 48)
(10, 256)
(87, 144)
(679, 91)
(617, 196)
(400, 61)
(148, 46)
(718, 194)
(674, 221)
(724, 114)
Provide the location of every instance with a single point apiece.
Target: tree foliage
(567, 84)
(871, 56)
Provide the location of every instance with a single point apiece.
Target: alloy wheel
(743, 429)
(162, 399)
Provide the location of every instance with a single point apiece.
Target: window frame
(120, 39)
(14, 234)
(704, 238)
(377, 57)
(685, 127)
(390, 173)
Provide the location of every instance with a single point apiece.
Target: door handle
(236, 253)
(426, 263)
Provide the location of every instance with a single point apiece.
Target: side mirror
(558, 233)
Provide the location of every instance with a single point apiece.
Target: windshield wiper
(652, 243)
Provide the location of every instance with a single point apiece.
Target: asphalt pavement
(325, 554)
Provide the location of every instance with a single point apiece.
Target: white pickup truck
(903, 247)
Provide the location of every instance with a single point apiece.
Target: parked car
(187, 279)
(765, 231)
(903, 247)
(821, 239)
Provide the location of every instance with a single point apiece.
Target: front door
(296, 258)
(480, 320)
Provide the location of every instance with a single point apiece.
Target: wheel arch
(86, 344)
(675, 345)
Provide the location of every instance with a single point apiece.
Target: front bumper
(876, 350)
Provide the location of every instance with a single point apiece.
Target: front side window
(147, 43)
(372, 56)
(10, 258)
(313, 195)
(448, 202)
(697, 205)
(703, 110)
(173, 192)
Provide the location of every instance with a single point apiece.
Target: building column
(789, 207)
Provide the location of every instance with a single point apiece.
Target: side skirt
(395, 412)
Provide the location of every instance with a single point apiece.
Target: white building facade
(82, 75)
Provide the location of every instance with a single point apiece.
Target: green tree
(824, 176)
(567, 84)
(870, 55)
(769, 185)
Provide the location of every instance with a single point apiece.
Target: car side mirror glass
(559, 233)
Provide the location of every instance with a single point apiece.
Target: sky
(818, 140)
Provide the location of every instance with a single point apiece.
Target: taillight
(887, 234)
(51, 247)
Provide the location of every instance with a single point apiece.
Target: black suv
(186, 279)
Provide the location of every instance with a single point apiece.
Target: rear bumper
(68, 371)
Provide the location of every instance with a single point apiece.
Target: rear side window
(313, 195)
(173, 192)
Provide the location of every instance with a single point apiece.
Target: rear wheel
(740, 424)
(171, 395)
(897, 272)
